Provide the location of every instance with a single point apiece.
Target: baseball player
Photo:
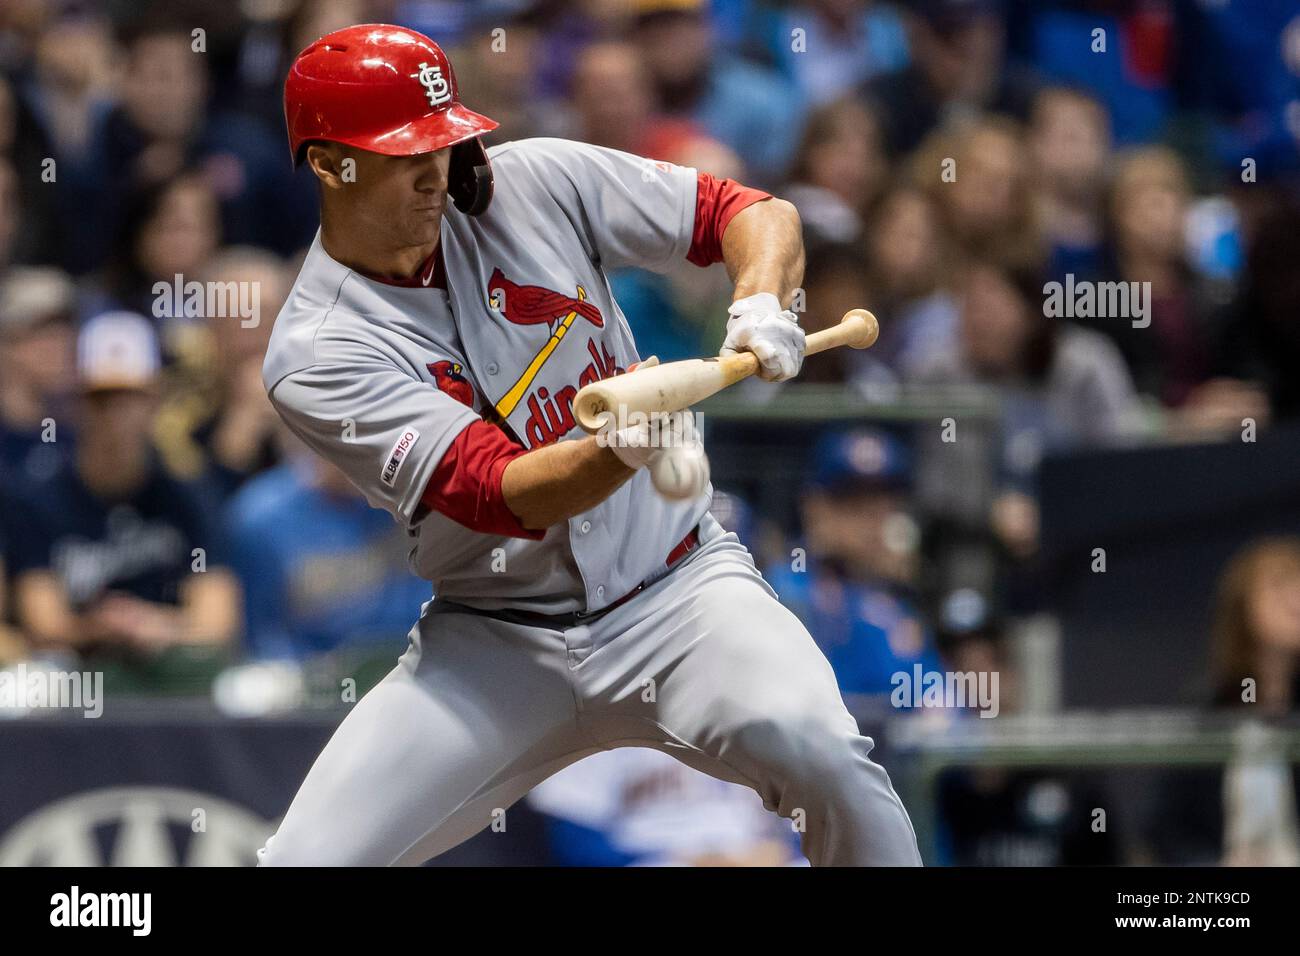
(431, 350)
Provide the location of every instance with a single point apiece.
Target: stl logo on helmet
(435, 84)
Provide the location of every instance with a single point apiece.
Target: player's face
(412, 190)
(397, 200)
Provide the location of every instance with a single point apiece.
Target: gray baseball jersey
(375, 377)
(704, 664)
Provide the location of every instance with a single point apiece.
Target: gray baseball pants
(704, 664)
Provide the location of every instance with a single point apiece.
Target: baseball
(681, 472)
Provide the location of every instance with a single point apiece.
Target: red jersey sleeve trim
(466, 485)
(716, 203)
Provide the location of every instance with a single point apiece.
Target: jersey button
(492, 368)
(585, 527)
(600, 591)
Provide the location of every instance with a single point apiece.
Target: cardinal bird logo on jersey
(549, 415)
(447, 376)
(533, 304)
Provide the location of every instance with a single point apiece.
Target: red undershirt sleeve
(466, 484)
(716, 203)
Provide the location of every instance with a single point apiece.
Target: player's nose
(432, 171)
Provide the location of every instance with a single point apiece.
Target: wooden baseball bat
(678, 385)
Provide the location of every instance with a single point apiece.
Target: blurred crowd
(949, 159)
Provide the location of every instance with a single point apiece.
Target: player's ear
(326, 161)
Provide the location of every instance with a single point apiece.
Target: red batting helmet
(388, 90)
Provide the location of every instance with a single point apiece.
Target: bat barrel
(589, 405)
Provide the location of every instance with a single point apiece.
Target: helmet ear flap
(470, 177)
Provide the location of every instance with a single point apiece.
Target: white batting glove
(637, 445)
(758, 324)
(671, 449)
(632, 445)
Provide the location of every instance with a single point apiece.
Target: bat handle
(858, 330)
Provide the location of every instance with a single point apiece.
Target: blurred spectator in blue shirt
(843, 44)
(36, 338)
(751, 109)
(121, 560)
(321, 569)
(853, 588)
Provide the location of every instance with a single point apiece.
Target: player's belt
(574, 618)
(683, 548)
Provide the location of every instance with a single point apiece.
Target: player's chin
(422, 225)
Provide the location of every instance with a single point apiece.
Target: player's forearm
(763, 250)
(553, 483)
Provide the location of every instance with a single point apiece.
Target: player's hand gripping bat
(678, 385)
